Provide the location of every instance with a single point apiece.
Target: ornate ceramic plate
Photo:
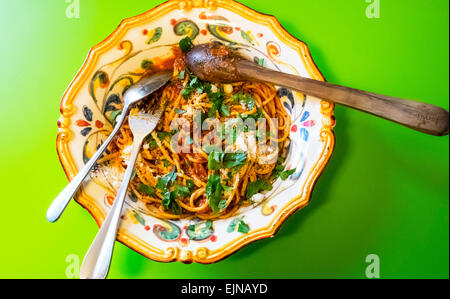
(88, 108)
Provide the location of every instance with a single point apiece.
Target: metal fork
(137, 92)
(98, 258)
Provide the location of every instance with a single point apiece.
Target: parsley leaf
(163, 135)
(166, 162)
(186, 44)
(169, 202)
(218, 160)
(148, 190)
(182, 191)
(217, 99)
(256, 187)
(214, 192)
(280, 172)
(195, 84)
(151, 142)
(222, 204)
(284, 175)
(233, 160)
(190, 184)
(225, 109)
(215, 160)
(163, 182)
(244, 99)
(186, 92)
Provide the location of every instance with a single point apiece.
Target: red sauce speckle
(294, 128)
(147, 227)
(145, 32)
(173, 22)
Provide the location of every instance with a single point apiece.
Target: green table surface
(385, 190)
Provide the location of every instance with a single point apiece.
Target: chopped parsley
(164, 181)
(256, 187)
(151, 141)
(216, 98)
(190, 184)
(214, 191)
(169, 202)
(186, 44)
(195, 84)
(280, 172)
(244, 99)
(182, 191)
(163, 135)
(166, 162)
(222, 204)
(217, 160)
(284, 175)
(171, 195)
(147, 190)
(225, 109)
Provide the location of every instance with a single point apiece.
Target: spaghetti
(206, 182)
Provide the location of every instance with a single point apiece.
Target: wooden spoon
(219, 64)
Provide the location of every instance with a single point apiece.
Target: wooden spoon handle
(419, 116)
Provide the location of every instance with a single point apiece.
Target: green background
(385, 190)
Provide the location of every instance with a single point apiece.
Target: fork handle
(98, 258)
(62, 200)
